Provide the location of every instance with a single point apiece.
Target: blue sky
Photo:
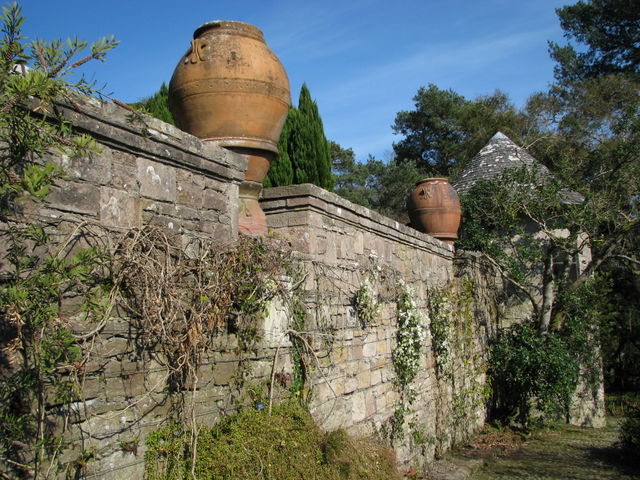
(363, 61)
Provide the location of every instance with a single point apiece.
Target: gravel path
(569, 453)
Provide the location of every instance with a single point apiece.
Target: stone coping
(309, 197)
(149, 137)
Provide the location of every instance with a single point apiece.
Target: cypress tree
(304, 151)
(158, 105)
(308, 149)
(281, 171)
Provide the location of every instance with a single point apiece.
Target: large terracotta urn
(434, 209)
(230, 89)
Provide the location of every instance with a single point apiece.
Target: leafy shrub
(630, 430)
(532, 372)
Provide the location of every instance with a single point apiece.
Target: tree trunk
(548, 295)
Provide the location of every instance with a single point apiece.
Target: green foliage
(609, 28)
(442, 328)
(299, 317)
(630, 431)
(157, 105)
(32, 75)
(534, 374)
(353, 180)
(525, 366)
(619, 330)
(410, 338)
(366, 301)
(281, 170)
(394, 183)
(379, 186)
(309, 152)
(619, 404)
(304, 150)
(446, 130)
(255, 445)
(42, 351)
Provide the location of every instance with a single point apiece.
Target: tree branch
(506, 276)
(633, 260)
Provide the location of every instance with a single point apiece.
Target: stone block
(190, 178)
(299, 218)
(391, 397)
(223, 372)
(216, 185)
(222, 233)
(307, 201)
(356, 350)
(370, 404)
(340, 354)
(370, 349)
(215, 201)
(350, 384)
(93, 387)
(376, 377)
(119, 208)
(116, 346)
(226, 219)
(82, 198)
(353, 368)
(122, 158)
(190, 194)
(134, 384)
(301, 240)
(96, 169)
(157, 181)
(359, 407)
(364, 379)
(338, 386)
(170, 223)
(358, 248)
(186, 213)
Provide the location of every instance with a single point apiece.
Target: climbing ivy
(442, 331)
(411, 337)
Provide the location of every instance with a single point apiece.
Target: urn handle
(195, 52)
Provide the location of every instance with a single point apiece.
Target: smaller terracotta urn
(434, 209)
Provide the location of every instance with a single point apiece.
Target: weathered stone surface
(96, 169)
(119, 209)
(81, 198)
(157, 181)
(224, 372)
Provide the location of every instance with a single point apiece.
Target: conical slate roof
(498, 155)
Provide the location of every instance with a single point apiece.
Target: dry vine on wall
(176, 299)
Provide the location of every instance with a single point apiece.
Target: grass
(618, 404)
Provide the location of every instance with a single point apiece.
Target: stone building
(499, 155)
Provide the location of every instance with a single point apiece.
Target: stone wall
(342, 246)
(150, 173)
